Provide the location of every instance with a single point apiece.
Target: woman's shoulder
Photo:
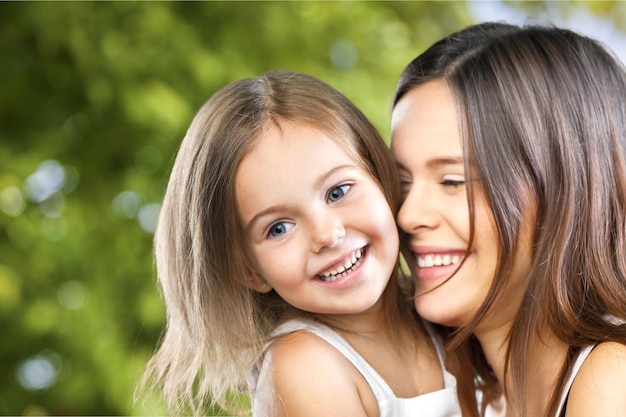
(606, 360)
(599, 388)
(307, 372)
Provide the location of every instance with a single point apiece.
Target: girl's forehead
(335, 130)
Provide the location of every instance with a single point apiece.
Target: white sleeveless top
(582, 355)
(441, 403)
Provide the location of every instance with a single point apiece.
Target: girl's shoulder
(292, 348)
(599, 388)
(308, 374)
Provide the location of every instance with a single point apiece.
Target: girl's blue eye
(279, 229)
(338, 192)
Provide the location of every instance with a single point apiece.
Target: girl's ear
(255, 281)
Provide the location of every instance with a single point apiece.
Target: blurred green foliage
(94, 100)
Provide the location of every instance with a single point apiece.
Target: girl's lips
(343, 267)
(335, 278)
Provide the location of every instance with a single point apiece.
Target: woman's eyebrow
(445, 160)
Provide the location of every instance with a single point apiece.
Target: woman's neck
(546, 356)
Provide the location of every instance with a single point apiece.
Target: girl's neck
(396, 327)
(546, 356)
(371, 321)
(400, 350)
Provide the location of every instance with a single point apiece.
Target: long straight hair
(216, 326)
(542, 115)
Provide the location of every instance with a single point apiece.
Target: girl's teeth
(351, 262)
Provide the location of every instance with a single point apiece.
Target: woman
(511, 143)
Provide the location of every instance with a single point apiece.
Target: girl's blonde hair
(216, 325)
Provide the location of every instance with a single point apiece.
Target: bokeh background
(94, 100)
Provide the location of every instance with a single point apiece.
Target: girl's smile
(343, 268)
(323, 237)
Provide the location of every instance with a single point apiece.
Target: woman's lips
(436, 263)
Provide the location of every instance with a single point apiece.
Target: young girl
(277, 251)
(511, 143)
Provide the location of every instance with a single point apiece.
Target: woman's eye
(453, 181)
(338, 192)
(405, 185)
(279, 229)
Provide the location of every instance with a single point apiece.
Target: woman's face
(427, 146)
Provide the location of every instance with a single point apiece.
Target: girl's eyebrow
(269, 210)
(321, 180)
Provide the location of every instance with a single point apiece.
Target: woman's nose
(416, 212)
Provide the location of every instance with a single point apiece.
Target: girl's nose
(327, 231)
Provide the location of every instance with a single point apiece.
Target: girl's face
(427, 146)
(319, 229)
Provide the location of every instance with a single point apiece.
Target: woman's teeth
(349, 264)
(437, 260)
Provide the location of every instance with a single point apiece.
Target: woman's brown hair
(542, 115)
